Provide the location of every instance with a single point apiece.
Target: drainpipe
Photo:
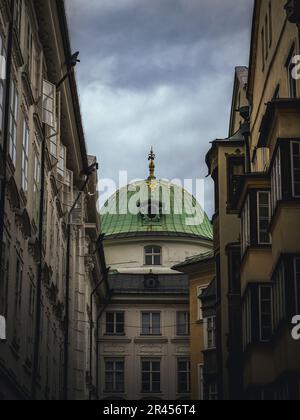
(104, 274)
(6, 122)
(36, 349)
(90, 171)
(109, 296)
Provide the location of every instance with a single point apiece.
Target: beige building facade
(50, 263)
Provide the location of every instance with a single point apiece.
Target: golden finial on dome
(151, 159)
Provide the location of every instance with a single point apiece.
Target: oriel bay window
(255, 219)
(286, 172)
(257, 314)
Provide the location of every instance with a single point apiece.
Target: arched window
(153, 255)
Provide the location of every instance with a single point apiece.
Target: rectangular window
(18, 296)
(265, 312)
(183, 323)
(151, 376)
(61, 166)
(2, 81)
(279, 300)
(13, 114)
(25, 153)
(115, 323)
(29, 48)
(263, 217)
(184, 376)
(210, 333)
(270, 24)
(153, 255)
(151, 323)
(200, 290)
(18, 16)
(36, 186)
(247, 324)
(276, 181)
(114, 375)
(4, 275)
(295, 156)
(213, 392)
(292, 83)
(246, 225)
(297, 283)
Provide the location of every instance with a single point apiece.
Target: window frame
(293, 167)
(151, 333)
(114, 373)
(115, 323)
(153, 255)
(261, 218)
(210, 332)
(261, 312)
(186, 324)
(276, 180)
(13, 122)
(187, 373)
(292, 83)
(246, 225)
(151, 372)
(25, 156)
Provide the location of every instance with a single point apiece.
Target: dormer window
(153, 255)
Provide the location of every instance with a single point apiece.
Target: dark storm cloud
(157, 72)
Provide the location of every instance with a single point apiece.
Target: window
(236, 171)
(151, 376)
(2, 81)
(265, 312)
(279, 301)
(234, 263)
(247, 324)
(213, 392)
(25, 150)
(210, 333)
(18, 16)
(184, 376)
(18, 296)
(297, 283)
(115, 323)
(267, 36)
(36, 186)
(201, 382)
(61, 166)
(276, 181)
(292, 83)
(263, 217)
(263, 48)
(151, 323)
(14, 104)
(114, 375)
(295, 156)
(200, 290)
(246, 225)
(270, 24)
(153, 255)
(29, 48)
(4, 275)
(183, 323)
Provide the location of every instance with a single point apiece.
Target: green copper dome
(154, 208)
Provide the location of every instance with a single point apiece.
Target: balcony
(281, 120)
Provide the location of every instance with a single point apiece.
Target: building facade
(145, 329)
(49, 259)
(256, 224)
(200, 270)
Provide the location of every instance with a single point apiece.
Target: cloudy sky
(157, 72)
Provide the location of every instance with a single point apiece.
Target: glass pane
(156, 366)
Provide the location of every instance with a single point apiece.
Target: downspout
(67, 296)
(109, 297)
(36, 349)
(6, 122)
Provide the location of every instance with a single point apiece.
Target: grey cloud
(157, 72)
